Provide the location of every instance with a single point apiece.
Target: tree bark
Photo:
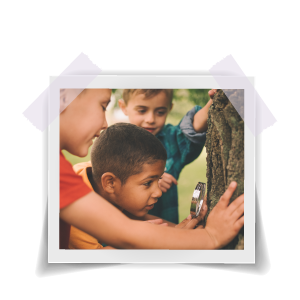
(225, 155)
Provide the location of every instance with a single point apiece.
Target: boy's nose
(157, 193)
(150, 118)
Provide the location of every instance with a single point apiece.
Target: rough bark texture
(225, 155)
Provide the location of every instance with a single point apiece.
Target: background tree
(225, 153)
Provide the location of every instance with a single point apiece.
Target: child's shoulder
(170, 129)
(82, 169)
(193, 110)
(72, 187)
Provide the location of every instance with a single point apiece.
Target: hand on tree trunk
(225, 221)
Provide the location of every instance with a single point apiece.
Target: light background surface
(55, 255)
(40, 39)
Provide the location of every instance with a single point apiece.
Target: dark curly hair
(123, 149)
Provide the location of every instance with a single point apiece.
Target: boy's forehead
(102, 95)
(159, 100)
(154, 170)
(101, 92)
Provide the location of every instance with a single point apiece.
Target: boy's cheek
(135, 121)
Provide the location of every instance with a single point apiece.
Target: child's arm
(188, 223)
(100, 219)
(150, 218)
(200, 118)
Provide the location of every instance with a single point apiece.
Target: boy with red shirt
(80, 123)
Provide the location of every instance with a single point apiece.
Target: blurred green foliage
(183, 101)
(195, 96)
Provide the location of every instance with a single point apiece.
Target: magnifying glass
(197, 199)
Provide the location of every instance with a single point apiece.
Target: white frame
(56, 255)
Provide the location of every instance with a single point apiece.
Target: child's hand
(200, 118)
(190, 223)
(157, 222)
(224, 222)
(166, 182)
(211, 93)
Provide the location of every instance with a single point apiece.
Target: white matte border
(56, 255)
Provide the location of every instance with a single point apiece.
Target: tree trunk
(225, 155)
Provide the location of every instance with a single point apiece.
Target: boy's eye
(104, 108)
(148, 183)
(141, 111)
(161, 113)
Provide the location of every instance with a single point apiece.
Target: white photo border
(56, 255)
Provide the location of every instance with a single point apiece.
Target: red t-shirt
(72, 188)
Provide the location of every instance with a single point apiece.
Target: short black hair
(123, 149)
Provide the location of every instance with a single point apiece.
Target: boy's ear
(123, 106)
(109, 182)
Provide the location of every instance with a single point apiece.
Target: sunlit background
(183, 101)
